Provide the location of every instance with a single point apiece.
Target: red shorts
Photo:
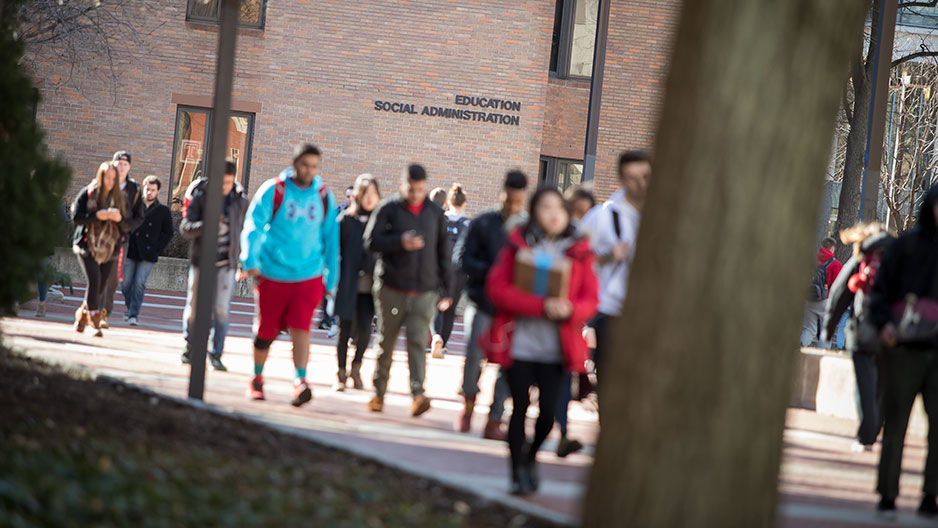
(285, 305)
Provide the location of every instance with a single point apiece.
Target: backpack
(280, 190)
(819, 288)
(455, 228)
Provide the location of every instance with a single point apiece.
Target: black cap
(122, 155)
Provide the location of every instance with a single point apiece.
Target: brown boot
(494, 431)
(95, 322)
(340, 381)
(420, 405)
(103, 322)
(463, 424)
(81, 319)
(376, 404)
(356, 375)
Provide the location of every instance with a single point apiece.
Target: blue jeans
(478, 322)
(42, 289)
(224, 287)
(134, 286)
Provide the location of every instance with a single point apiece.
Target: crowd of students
(404, 261)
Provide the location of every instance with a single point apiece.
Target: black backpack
(819, 289)
(455, 228)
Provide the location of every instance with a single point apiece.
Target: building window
(251, 15)
(189, 148)
(924, 17)
(560, 173)
(574, 38)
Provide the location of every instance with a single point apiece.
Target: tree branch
(916, 55)
(918, 4)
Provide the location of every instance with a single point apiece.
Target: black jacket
(910, 265)
(151, 238)
(841, 298)
(191, 225)
(355, 262)
(83, 217)
(134, 201)
(426, 269)
(476, 251)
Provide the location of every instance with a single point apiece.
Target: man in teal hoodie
(290, 244)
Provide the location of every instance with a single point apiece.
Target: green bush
(31, 183)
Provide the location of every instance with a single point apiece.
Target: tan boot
(102, 323)
(96, 322)
(340, 381)
(420, 405)
(376, 404)
(81, 319)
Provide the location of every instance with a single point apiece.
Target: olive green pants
(396, 308)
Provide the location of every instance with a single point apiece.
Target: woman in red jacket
(535, 338)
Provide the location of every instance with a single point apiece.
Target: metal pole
(895, 153)
(205, 290)
(873, 161)
(596, 90)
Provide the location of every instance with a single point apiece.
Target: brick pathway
(822, 483)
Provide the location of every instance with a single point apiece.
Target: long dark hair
(532, 228)
(359, 188)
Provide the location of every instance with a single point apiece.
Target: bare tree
(694, 411)
(90, 37)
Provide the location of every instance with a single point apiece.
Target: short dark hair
(828, 243)
(415, 172)
(154, 180)
(632, 156)
(579, 193)
(121, 155)
(516, 179)
(230, 167)
(438, 196)
(304, 149)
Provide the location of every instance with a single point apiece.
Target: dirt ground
(80, 452)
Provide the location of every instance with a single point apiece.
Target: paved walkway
(822, 482)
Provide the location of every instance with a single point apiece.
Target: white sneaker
(857, 447)
(132, 321)
(437, 350)
(333, 331)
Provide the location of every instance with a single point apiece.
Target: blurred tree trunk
(695, 392)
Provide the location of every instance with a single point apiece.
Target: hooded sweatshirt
(833, 270)
(300, 242)
(599, 225)
(909, 265)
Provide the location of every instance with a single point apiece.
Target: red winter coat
(823, 255)
(511, 302)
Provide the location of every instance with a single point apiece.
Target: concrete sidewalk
(822, 482)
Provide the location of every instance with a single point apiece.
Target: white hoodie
(598, 224)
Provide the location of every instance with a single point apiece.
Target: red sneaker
(256, 391)
(301, 393)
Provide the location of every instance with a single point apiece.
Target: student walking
(828, 268)
(850, 293)
(146, 244)
(408, 234)
(456, 223)
(101, 223)
(904, 308)
(234, 207)
(613, 229)
(354, 304)
(475, 254)
(290, 243)
(536, 337)
(133, 198)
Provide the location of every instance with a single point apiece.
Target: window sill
(573, 82)
(205, 25)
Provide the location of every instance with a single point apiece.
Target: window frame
(565, 43)
(216, 20)
(244, 157)
(549, 171)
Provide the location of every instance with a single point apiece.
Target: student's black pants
(96, 275)
(359, 327)
(521, 377)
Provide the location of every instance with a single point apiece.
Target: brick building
(468, 88)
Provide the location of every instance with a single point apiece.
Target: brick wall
(316, 69)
